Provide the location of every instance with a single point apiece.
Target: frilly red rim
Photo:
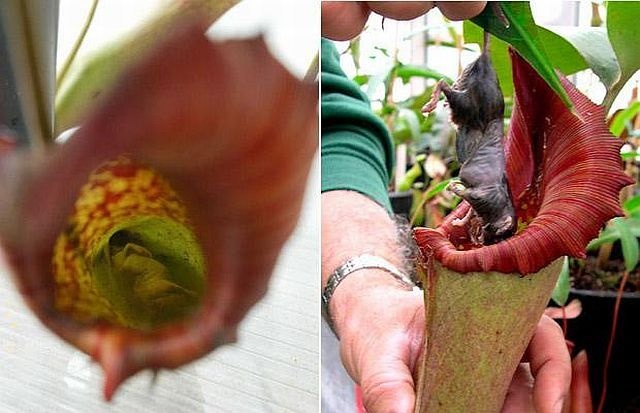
(565, 176)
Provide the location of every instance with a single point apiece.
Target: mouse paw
(457, 187)
(435, 97)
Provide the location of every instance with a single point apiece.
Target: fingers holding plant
(381, 330)
(345, 20)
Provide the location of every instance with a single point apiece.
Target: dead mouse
(477, 109)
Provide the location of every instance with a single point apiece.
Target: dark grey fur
(477, 108)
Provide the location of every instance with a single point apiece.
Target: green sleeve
(356, 149)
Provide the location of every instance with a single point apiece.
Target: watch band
(352, 265)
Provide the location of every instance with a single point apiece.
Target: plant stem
(428, 194)
(612, 93)
(612, 336)
(76, 46)
(603, 255)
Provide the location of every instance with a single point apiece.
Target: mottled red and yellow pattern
(117, 191)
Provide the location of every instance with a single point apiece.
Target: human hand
(381, 330)
(345, 20)
(541, 382)
(381, 348)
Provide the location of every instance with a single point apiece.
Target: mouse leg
(435, 96)
(461, 222)
(459, 189)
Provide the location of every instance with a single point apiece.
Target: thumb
(387, 386)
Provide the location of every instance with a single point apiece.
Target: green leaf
(412, 174)
(433, 190)
(629, 243)
(436, 189)
(406, 72)
(562, 54)
(633, 223)
(611, 234)
(623, 118)
(416, 102)
(361, 79)
(631, 204)
(623, 29)
(401, 134)
(607, 236)
(560, 293)
(593, 44)
(523, 35)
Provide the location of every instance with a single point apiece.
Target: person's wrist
(355, 299)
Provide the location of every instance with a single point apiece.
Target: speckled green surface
(479, 325)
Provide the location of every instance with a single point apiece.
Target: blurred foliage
(429, 138)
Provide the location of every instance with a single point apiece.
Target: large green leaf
(524, 35)
(593, 44)
(623, 29)
(562, 54)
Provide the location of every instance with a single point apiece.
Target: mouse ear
(564, 189)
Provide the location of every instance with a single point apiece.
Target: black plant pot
(401, 202)
(591, 331)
